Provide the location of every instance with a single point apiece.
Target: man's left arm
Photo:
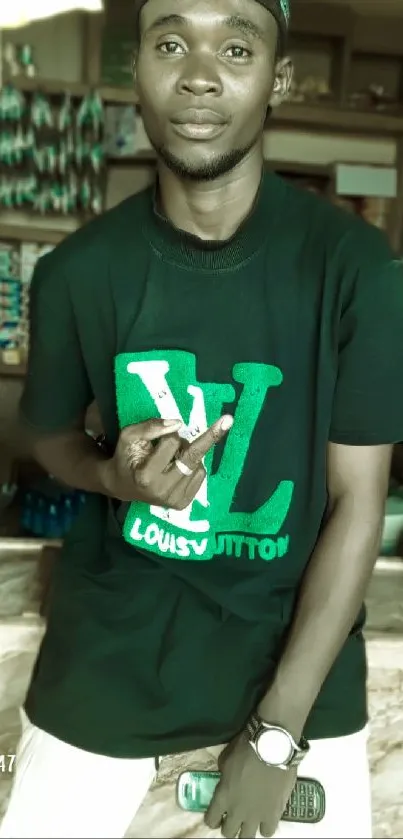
(366, 419)
(335, 582)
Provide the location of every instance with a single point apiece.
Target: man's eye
(238, 52)
(170, 48)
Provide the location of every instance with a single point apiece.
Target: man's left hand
(250, 796)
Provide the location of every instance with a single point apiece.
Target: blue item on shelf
(53, 524)
(68, 513)
(27, 512)
(51, 513)
(39, 516)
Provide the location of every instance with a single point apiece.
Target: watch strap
(253, 725)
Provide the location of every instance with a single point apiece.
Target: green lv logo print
(164, 384)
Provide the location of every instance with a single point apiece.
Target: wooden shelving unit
(28, 233)
(322, 117)
(27, 544)
(332, 23)
(12, 370)
(118, 95)
(335, 27)
(338, 119)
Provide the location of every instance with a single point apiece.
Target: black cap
(280, 9)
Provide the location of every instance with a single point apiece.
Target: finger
(151, 429)
(163, 453)
(248, 830)
(183, 493)
(215, 812)
(137, 452)
(230, 827)
(267, 829)
(193, 456)
(193, 484)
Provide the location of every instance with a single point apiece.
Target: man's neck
(211, 210)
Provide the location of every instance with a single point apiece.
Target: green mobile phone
(307, 803)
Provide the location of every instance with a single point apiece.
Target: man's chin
(201, 167)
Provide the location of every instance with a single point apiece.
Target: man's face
(205, 75)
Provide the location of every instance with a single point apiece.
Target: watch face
(274, 747)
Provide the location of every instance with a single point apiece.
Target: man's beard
(209, 170)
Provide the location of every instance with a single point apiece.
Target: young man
(211, 592)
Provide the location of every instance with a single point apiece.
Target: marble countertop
(159, 816)
(384, 599)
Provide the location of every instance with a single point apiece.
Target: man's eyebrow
(167, 20)
(244, 25)
(241, 24)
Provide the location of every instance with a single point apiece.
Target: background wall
(366, 7)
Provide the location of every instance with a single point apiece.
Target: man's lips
(198, 116)
(198, 124)
(194, 131)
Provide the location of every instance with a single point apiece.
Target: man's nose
(199, 77)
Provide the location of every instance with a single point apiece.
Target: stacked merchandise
(48, 510)
(13, 303)
(366, 190)
(375, 211)
(51, 153)
(17, 263)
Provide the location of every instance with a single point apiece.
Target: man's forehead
(252, 17)
(249, 9)
(241, 23)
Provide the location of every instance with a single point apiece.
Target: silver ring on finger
(183, 469)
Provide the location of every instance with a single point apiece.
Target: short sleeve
(57, 389)
(368, 398)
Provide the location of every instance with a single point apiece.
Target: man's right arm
(74, 458)
(55, 400)
(57, 389)
(58, 392)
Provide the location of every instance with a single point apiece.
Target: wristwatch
(273, 745)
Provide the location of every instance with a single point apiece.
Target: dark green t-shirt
(166, 627)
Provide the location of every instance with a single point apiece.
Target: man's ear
(282, 81)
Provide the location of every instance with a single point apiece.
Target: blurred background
(72, 144)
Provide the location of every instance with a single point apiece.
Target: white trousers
(60, 791)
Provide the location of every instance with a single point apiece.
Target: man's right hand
(143, 467)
